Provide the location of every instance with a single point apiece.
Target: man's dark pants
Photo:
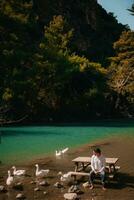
(92, 175)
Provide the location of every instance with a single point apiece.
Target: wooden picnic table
(86, 161)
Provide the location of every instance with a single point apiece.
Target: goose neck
(37, 168)
(9, 174)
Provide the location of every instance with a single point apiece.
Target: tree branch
(13, 121)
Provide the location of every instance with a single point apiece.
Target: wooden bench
(117, 168)
(111, 175)
(75, 174)
(79, 174)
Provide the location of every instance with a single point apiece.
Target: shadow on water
(8, 133)
(100, 123)
(41, 129)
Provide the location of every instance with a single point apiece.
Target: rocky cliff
(95, 30)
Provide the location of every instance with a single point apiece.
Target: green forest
(64, 61)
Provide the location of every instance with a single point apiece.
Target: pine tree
(121, 70)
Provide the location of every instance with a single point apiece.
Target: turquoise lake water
(19, 144)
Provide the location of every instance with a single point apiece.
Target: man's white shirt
(98, 163)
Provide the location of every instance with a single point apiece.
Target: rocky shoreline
(51, 188)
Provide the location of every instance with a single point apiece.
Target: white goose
(58, 153)
(65, 150)
(65, 177)
(10, 179)
(42, 172)
(18, 172)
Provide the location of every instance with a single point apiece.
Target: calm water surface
(26, 143)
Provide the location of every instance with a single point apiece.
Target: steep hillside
(43, 74)
(95, 30)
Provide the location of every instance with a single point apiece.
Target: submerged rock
(36, 189)
(70, 196)
(20, 196)
(43, 183)
(45, 192)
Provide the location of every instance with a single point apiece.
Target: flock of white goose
(39, 173)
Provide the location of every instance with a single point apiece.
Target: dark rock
(58, 185)
(33, 182)
(75, 189)
(72, 189)
(18, 186)
(86, 184)
(2, 188)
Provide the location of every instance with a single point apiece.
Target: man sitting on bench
(98, 167)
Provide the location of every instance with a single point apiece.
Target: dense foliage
(121, 71)
(44, 78)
